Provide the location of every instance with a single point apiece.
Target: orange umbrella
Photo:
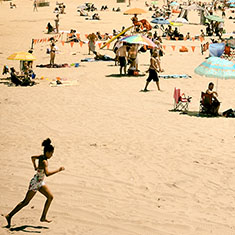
(134, 11)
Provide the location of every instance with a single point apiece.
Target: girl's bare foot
(45, 220)
(8, 218)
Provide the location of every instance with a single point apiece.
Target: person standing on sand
(57, 23)
(35, 5)
(37, 183)
(153, 68)
(92, 41)
(122, 55)
(52, 54)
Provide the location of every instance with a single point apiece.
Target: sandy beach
(132, 166)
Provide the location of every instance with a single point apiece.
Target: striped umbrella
(215, 67)
(139, 39)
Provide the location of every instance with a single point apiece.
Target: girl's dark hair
(47, 146)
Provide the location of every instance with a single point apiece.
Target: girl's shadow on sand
(24, 228)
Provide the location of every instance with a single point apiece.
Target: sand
(132, 167)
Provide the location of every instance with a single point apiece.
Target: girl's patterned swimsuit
(37, 181)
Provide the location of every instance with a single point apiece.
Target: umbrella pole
(32, 43)
(216, 88)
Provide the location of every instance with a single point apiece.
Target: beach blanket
(64, 83)
(175, 76)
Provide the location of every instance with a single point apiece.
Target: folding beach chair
(180, 101)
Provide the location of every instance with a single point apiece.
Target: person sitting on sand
(14, 78)
(188, 36)
(215, 104)
(12, 5)
(50, 28)
(82, 13)
(37, 182)
(136, 22)
(96, 17)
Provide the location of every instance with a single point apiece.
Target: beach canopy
(215, 67)
(194, 7)
(138, 39)
(214, 18)
(216, 49)
(160, 20)
(133, 11)
(180, 20)
(22, 56)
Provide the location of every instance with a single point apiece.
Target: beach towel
(175, 76)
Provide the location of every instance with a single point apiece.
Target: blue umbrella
(232, 5)
(160, 20)
(231, 1)
(216, 49)
(174, 4)
(215, 67)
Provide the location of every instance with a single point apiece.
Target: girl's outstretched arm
(49, 173)
(34, 158)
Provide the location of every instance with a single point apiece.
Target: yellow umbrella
(176, 24)
(134, 11)
(22, 56)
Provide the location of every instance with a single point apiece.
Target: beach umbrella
(216, 49)
(134, 11)
(154, 2)
(180, 20)
(232, 5)
(22, 56)
(160, 20)
(174, 4)
(139, 39)
(214, 18)
(215, 67)
(175, 24)
(231, 1)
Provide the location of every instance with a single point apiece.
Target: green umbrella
(214, 18)
(154, 2)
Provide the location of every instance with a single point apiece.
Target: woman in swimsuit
(37, 183)
(52, 54)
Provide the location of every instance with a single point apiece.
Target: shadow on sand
(24, 228)
(124, 75)
(195, 114)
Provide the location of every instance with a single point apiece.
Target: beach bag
(229, 113)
